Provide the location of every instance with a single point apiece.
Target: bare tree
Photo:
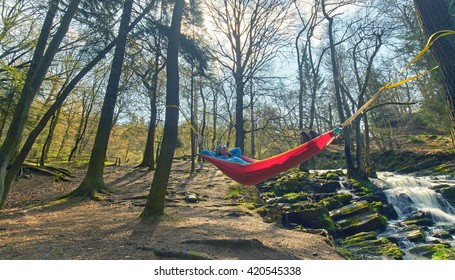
(87, 103)
(248, 34)
(329, 16)
(308, 63)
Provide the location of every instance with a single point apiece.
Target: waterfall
(409, 195)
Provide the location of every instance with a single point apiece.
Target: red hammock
(260, 170)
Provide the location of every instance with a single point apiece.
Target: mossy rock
(294, 197)
(333, 175)
(419, 222)
(442, 234)
(444, 254)
(419, 165)
(359, 223)
(428, 250)
(359, 237)
(326, 187)
(336, 201)
(449, 194)
(294, 176)
(363, 187)
(368, 244)
(350, 210)
(281, 188)
(415, 235)
(315, 218)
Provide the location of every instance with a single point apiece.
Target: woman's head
(220, 149)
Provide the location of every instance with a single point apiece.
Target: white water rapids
(409, 194)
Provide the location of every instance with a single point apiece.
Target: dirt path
(213, 228)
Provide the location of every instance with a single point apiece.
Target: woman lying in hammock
(260, 170)
(222, 152)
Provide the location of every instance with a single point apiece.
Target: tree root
(97, 193)
(58, 173)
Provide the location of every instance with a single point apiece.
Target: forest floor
(34, 225)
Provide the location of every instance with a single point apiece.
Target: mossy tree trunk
(435, 16)
(155, 200)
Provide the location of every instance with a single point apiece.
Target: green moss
(444, 254)
(247, 195)
(443, 169)
(345, 253)
(376, 206)
(429, 250)
(333, 175)
(311, 215)
(281, 188)
(367, 243)
(360, 237)
(331, 203)
(363, 186)
(337, 201)
(294, 176)
(294, 197)
(351, 209)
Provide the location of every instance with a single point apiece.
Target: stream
(415, 198)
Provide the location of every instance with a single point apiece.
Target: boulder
(449, 194)
(350, 210)
(367, 243)
(364, 221)
(415, 235)
(428, 250)
(314, 218)
(327, 187)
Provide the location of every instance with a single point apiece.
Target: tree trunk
(253, 123)
(201, 141)
(148, 159)
(86, 111)
(93, 182)
(239, 119)
(149, 156)
(9, 97)
(352, 171)
(193, 108)
(50, 136)
(434, 16)
(155, 200)
(35, 77)
(214, 119)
